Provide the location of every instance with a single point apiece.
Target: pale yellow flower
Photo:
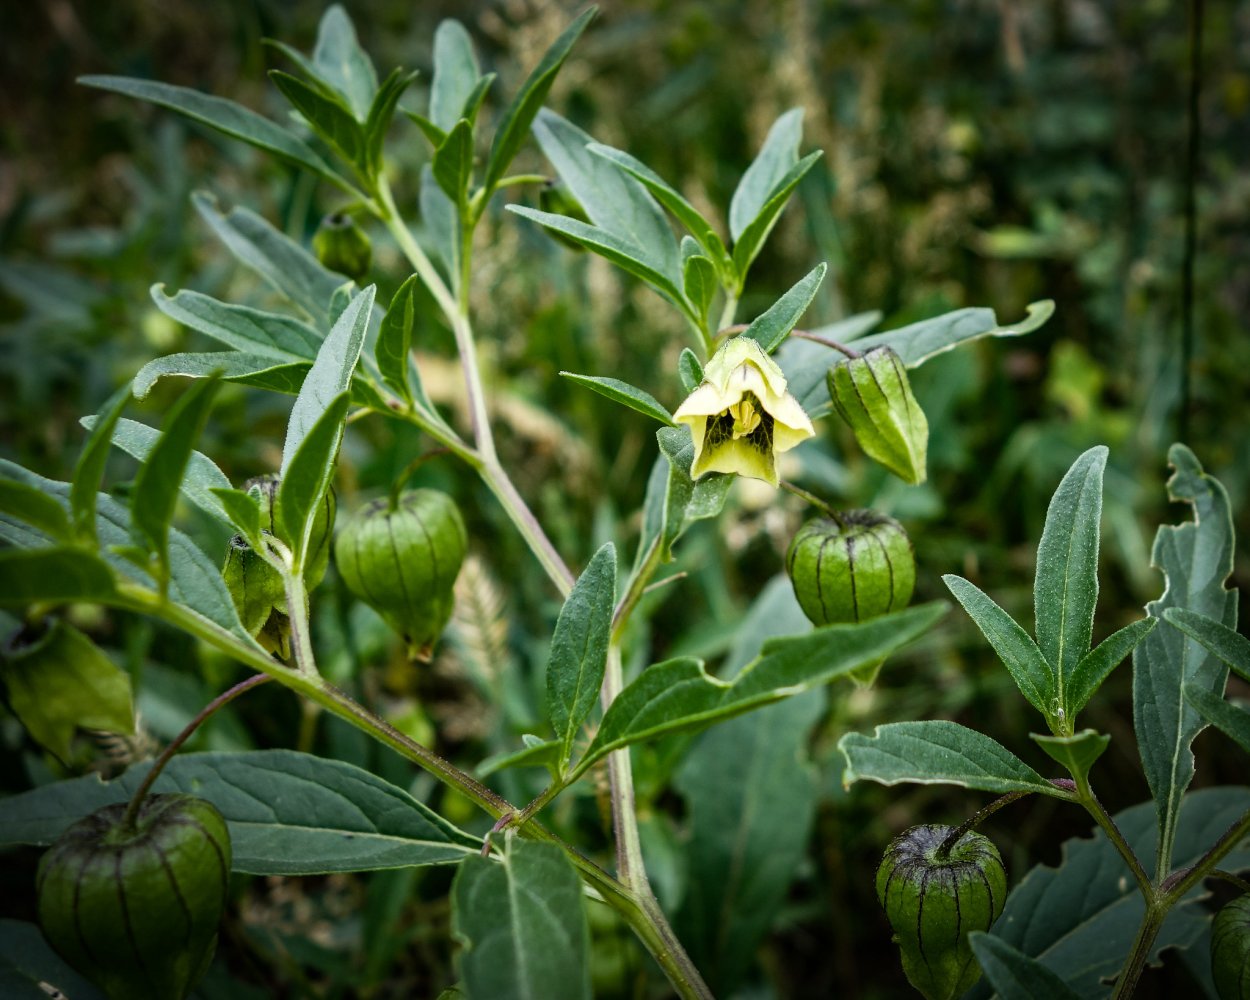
(741, 416)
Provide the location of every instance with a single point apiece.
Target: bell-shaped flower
(741, 416)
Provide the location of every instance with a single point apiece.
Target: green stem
(136, 800)
(1087, 798)
(980, 816)
(498, 482)
(1126, 983)
(815, 501)
(1232, 879)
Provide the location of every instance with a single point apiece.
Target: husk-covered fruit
(343, 246)
(873, 395)
(135, 909)
(853, 571)
(934, 902)
(403, 561)
(1230, 950)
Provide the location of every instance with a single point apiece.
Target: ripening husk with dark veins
(136, 909)
(1230, 950)
(933, 903)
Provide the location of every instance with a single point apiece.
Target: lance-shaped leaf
(1079, 919)
(380, 114)
(159, 481)
(938, 752)
(779, 153)
(521, 924)
(307, 477)
(700, 283)
(328, 117)
(1014, 975)
(773, 326)
(53, 575)
(89, 469)
(1065, 588)
(679, 694)
(289, 813)
(1228, 645)
(200, 477)
(1096, 665)
(331, 373)
(1196, 557)
(283, 263)
(252, 331)
(519, 114)
(225, 116)
(1014, 646)
(689, 370)
(624, 393)
(258, 370)
(579, 648)
(342, 63)
(24, 502)
(393, 351)
(453, 162)
(747, 246)
(456, 74)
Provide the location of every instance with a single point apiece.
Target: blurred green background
(976, 153)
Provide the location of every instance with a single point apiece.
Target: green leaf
(579, 649)
(1076, 753)
(1096, 665)
(1232, 721)
(1014, 646)
(28, 964)
(331, 373)
(252, 331)
(242, 511)
(682, 500)
(1013, 974)
(394, 345)
(456, 74)
(679, 694)
(283, 263)
(453, 162)
(1196, 558)
(200, 477)
(747, 246)
(36, 508)
(328, 117)
(751, 793)
(224, 116)
(776, 157)
(342, 63)
(612, 200)
(521, 924)
(54, 575)
(230, 366)
(937, 752)
(1231, 647)
(624, 393)
(670, 198)
(89, 469)
(700, 283)
(381, 112)
(289, 813)
(160, 477)
(689, 370)
(1080, 919)
(307, 477)
(1065, 588)
(773, 326)
(620, 252)
(62, 682)
(442, 224)
(519, 114)
(536, 753)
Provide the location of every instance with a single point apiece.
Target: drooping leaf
(679, 694)
(579, 648)
(751, 793)
(1014, 646)
(772, 327)
(1228, 645)
(225, 116)
(614, 201)
(283, 263)
(520, 113)
(1196, 558)
(624, 393)
(1013, 974)
(329, 117)
(160, 477)
(89, 469)
(331, 373)
(1077, 753)
(1080, 919)
(747, 246)
(54, 575)
(456, 73)
(251, 331)
(937, 752)
(1065, 588)
(779, 153)
(200, 477)
(289, 813)
(63, 682)
(32, 506)
(342, 63)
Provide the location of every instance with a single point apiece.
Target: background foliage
(976, 153)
